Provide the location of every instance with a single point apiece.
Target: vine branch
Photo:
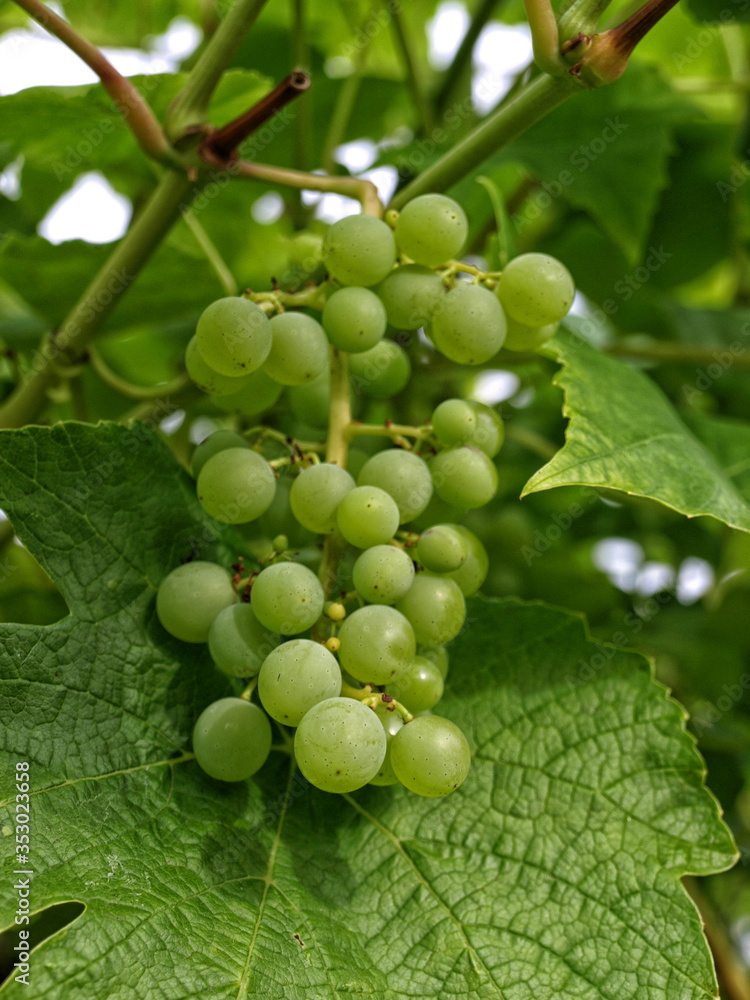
(134, 109)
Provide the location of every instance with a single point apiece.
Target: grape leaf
(625, 435)
(552, 873)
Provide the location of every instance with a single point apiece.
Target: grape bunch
(361, 566)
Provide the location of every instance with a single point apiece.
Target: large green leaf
(625, 435)
(552, 873)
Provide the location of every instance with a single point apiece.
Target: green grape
(435, 607)
(381, 372)
(383, 574)
(206, 378)
(442, 549)
(232, 739)
(536, 289)
(454, 421)
(212, 445)
(431, 229)
(420, 688)
(469, 326)
(190, 597)
(339, 745)
(354, 319)
(287, 598)
(295, 676)
(316, 494)
(490, 432)
(391, 721)
(233, 336)
(367, 516)
(430, 756)
(359, 250)
(404, 476)
(299, 349)
(410, 295)
(310, 403)
(377, 644)
(236, 486)
(258, 392)
(473, 573)
(438, 655)
(527, 338)
(464, 477)
(237, 641)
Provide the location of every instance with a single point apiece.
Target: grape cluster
(353, 658)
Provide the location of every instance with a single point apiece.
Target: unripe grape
(299, 349)
(410, 295)
(435, 607)
(469, 325)
(339, 745)
(236, 486)
(454, 421)
(237, 641)
(212, 445)
(190, 597)
(367, 516)
(419, 688)
(431, 229)
(442, 549)
(309, 403)
(472, 574)
(287, 598)
(231, 739)
(431, 756)
(381, 372)
(377, 644)
(257, 392)
(527, 338)
(316, 494)
(233, 336)
(490, 432)
(205, 377)
(383, 574)
(295, 676)
(536, 289)
(404, 476)
(354, 319)
(464, 477)
(359, 250)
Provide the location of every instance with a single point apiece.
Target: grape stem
(397, 432)
(137, 114)
(247, 694)
(128, 389)
(363, 191)
(311, 298)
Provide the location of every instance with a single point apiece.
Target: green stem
(136, 112)
(544, 36)
(462, 59)
(364, 191)
(340, 410)
(411, 66)
(88, 315)
(214, 258)
(302, 132)
(247, 694)
(128, 389)
(189, 110)
(499, 128)
(394, 431)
